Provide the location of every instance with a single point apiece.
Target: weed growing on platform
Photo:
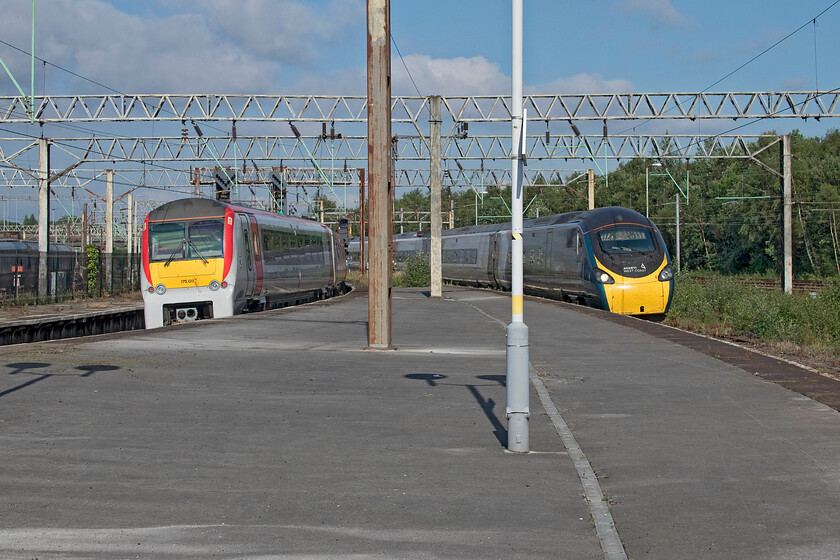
(92, 268)
(416, 272)
(357, 279)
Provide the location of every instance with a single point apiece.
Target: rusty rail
(770, 284)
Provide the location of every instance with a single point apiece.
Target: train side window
(579, 243)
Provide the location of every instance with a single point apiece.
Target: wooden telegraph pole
(379, 170)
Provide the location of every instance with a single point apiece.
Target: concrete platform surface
(277, 435)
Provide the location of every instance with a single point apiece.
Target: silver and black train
(609, 258)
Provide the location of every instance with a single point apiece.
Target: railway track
(770, 284)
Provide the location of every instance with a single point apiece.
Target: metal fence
(70, 275)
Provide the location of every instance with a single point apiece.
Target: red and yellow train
(204, 259)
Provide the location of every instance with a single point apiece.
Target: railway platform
(279, 435)
(70, 319)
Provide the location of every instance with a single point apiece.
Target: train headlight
(602, 277)
(666, 274)
(160, 289)
(214, 285)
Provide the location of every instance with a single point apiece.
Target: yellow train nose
(638, 298)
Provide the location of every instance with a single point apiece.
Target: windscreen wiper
(181, 247)
(197, 252)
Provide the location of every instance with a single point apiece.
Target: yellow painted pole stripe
(516, 305)
(517, 236)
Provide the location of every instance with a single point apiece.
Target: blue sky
(446, 47)
(449, 46)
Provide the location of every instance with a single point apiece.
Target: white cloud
(432, 76)
(215, 46)
(337, 82)
(660, 11)
(583, 83)
(446, 76)
(292, 31)
(248, 46)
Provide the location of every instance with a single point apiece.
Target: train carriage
(470, 256)
(611, 258)
(204, 259)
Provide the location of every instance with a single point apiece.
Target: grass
(357, 279)
(720, 306)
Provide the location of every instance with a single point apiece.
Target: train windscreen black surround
(629, 250)
(626, 239)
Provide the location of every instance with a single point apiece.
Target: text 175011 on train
(204, 258)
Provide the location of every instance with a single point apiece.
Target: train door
(502, 267)
(534, 257)
(492, 259)
(246, 258)
(576, 274)
(548, 272)
(573, 266)
(257, 255)
(297, 259)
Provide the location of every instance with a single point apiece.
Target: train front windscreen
(186, 240)
(628, 250)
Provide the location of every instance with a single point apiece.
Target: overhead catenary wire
(82, 77)
(774, 45)
(410, 77)
(759, 55)
(816, 66)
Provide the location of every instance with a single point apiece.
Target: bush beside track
(731, 308)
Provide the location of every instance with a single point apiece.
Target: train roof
(587, 219)
(195, 208)
(188, 208)
(28, 246)
(610, 215)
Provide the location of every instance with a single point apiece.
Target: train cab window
(205, 239)
(166, 241)
(626, 240)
